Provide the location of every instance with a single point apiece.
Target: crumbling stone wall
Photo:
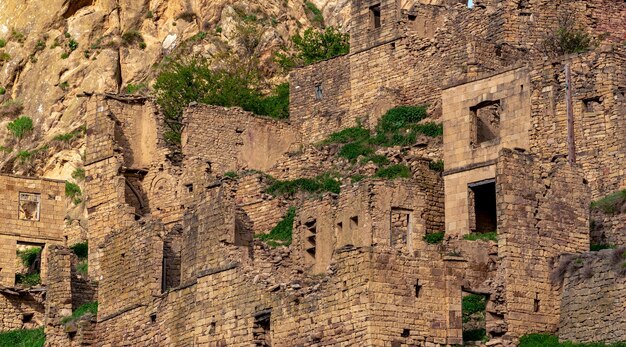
(554, 220)
(23, 219)
(599, 101)
(127, 173)
(593, 303)
(21, 309)
(231, 139)
(608, 229)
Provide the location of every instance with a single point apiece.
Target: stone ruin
(175, 258)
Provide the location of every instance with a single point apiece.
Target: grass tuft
(490, 236)
(90, 307)
(281, 234)
(23, 338)
(611, 204)
(322, 183)
(434, 238)
(394, 171)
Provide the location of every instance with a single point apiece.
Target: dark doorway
(483, 198)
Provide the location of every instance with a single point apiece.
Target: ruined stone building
(175, 257)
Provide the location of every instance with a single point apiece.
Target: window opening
(29, 206)
(375, 16)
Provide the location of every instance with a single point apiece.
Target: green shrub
(569, 38)
(400, 117)
(78, 174)
(4, 56)
(40, 45)
(81, 250)
(378, 159)
(321, 183)
(149, 15)
(65, 55)
(18, 36)
(598, 247)
(6, 149)
(67, 137)
(394, 171)
(2, 91)
(83, 267)
(318, 17)
(29, 255)
(134, 88)
(282, 232)
(474, 335)
(429, 129)
(20, 126)
(72, 191)
(471, 304)
(356, 178)
(90, 307)
(436, 165)
(180, 83)
(132, 37)
(490, 236)
(231, 174)
(23, 338)
(313, 46)
(347, 135)
(352, 151)
(23, 156)
(72, 44)
(3, 43)
(64, 86)
(28, 280)
(434, 238)
(611, 204)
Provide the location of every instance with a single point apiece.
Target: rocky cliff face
(56, 50)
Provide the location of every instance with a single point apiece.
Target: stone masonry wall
(468, 161)
(17, 227)
(232, 139)
(543, 211)
(593, 304)
(599, 101)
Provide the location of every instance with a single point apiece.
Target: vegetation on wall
(90, 307)
(182, 82)
(72, 191)
(314, 45)
(490, 236)
(547, 340)
(611, 204)
(23, 338)
(281, 234)
(569, 38)
(322, 183)
(29, 255)
(434, 238)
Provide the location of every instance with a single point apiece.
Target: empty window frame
(592, 104)
(375, 16)
(29, 206)
(482, 206)
(485, 121)
(262, 334)
(354, 223)
(319, 92)
(400, 226)
(310, 242)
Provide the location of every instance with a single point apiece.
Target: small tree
(568, 39)
(313, 46)
(20, 127)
